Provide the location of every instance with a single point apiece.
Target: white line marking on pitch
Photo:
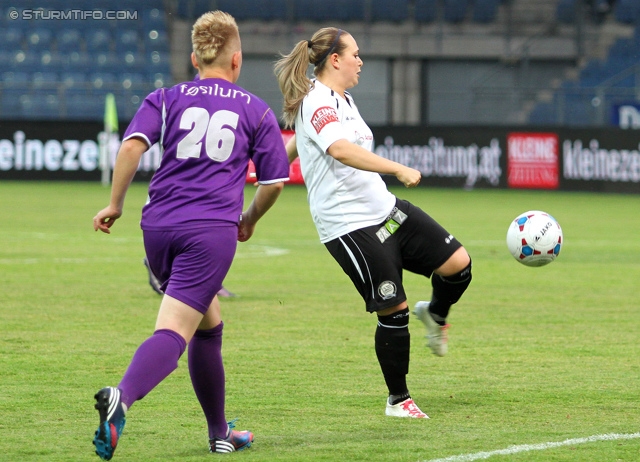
(536, 447)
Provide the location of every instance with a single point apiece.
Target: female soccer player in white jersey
(372, 234)
(208, 129)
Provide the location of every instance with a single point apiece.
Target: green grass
(536, 355)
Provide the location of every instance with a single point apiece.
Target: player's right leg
(207, 376)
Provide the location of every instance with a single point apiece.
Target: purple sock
(207, 376)
(154, 360)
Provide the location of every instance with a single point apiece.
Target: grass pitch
(537, 355)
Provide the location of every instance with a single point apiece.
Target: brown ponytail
(291, 69)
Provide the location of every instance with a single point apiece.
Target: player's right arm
(357, 157)
(321, 120)
(126, 166)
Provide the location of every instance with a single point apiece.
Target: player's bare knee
(455, 264)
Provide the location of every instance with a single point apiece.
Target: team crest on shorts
(387, 290)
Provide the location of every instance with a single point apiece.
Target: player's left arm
(266, 196)
(126, 166)
(292, 149)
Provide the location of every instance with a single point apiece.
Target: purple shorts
(191, 264)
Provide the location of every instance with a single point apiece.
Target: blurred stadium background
(426, 62)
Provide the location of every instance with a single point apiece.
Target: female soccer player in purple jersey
(373, 235)
(208, 129)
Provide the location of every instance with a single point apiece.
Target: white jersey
(341, 198)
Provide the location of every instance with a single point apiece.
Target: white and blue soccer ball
(534, 238)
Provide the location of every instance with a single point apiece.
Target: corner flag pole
(110, 127)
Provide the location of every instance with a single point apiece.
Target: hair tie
(309, 44)
(330, 50)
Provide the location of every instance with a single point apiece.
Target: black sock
(392, 342)
(447, 290)
(395, 399)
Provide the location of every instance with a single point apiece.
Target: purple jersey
(208, 130)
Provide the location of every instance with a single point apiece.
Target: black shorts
(374, 257)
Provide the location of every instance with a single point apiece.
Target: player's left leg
(152, 362)
(430, 250)
(449, 282)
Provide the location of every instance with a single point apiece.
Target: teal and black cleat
(235, 440)
(112, 420)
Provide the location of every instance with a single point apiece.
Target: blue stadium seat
(68, 40)
(247, 9)
(76, 60)
(159, 62)
(98, 40)
(22, 61)
(103, 83)
(636, 36)
(384, 10)
(83, 106)
(132, 81)
(106, 62)
(305, 10)
(158, 79)
(42, 105)
(624, 48)
(455, 11)
(266, 10)
(15, 81)
(47, 81)
(485, 11)
(627, 11)
(350, 10)
(543, 114)
(11, 38)
(426, 11)
(127, 40)
(191, 9)
(10, 105)
(575, 104)
(622, 55)
(130, 102)
(154, 18)
(39, 39)
(27, 109)
(73, 79)
(566, 11)
(186, 9)
(51, 62)
(131, 61)
(332, 10)
(593, 74)
(156, 40)
(279, 10)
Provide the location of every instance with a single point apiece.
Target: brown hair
(210, 34)
(291, 69)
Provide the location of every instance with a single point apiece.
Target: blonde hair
(211, 34)
(291, 69)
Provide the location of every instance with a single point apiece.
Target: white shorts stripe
(355, 263)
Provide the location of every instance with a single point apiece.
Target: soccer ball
(534, 238)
